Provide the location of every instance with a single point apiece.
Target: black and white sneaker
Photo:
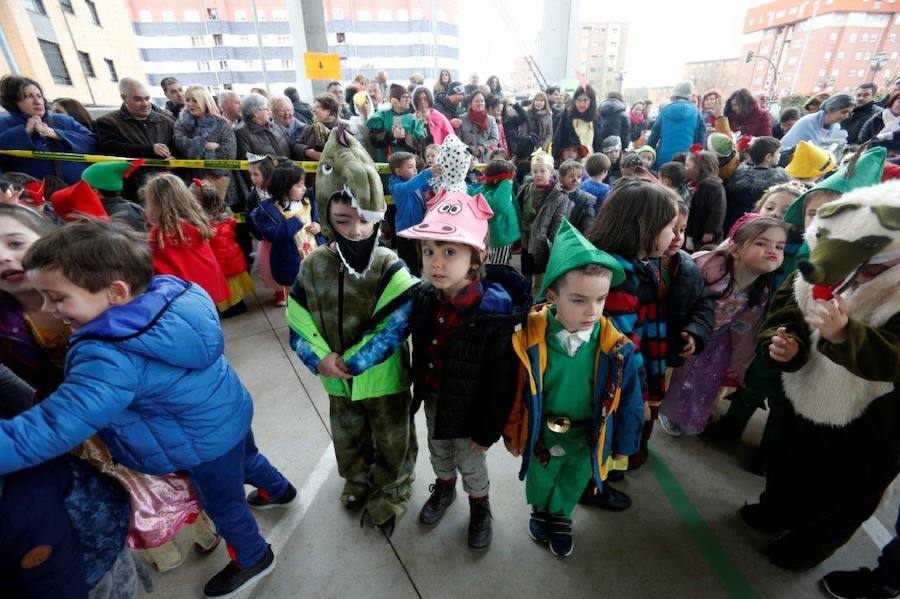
(861, 584)
(233, 579)
(259, 499)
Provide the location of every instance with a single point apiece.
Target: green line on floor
(732, 578)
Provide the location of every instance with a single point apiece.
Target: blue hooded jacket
(678, 127)
(74, 137)
(150, 376)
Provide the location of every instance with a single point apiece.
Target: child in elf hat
(809, 163)
(224, 246)
(739, 274)
(349, 316)
(464, 369)
(107, 178)
(578, 408)
(543, 206)
(76, 201)
(497, 189)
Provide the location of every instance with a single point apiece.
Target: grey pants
(449, 456)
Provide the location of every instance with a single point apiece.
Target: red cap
(891, 171)
(35, 191)
(78, 199)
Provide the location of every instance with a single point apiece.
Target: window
(363, 15)
(287, 63)
(840, 55)
(892, 38)
(383, 14)
(92, 10)
(145, 16)
(66, 5)
(279, 15)
(793, 60)
(217, 39)
(821, 72)
(168, 16)
(261, 14)
(852, 73)
(198, 41)
(53, 56)
(203, 65)
(864, 37)
(191, 16)
(35, 6)
(852, 38)
(85, 59)
(240, 15)
(868, 56)
(827, 56)
(402, 15)
(832, 37)
(223, 65)
(212, 14)
(857, 56)
(834, 72)
(337, 13)
(284, 40)
(111, 67)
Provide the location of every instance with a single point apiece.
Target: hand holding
(783, 347)
(333, 366)
(162, 150)
(689, 346)
(211, 145)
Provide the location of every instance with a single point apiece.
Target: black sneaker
(479, 523)
(609, 499)
(232, 579)
(442, 495)
(259, 499)
(562, 542)
(538, 526)
(723, 429)
(862, 584)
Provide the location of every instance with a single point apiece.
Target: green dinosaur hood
(346, 168)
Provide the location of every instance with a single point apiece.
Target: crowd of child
(644, 290)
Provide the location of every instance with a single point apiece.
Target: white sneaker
(670, 427)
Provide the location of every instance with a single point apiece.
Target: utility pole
(259, 44)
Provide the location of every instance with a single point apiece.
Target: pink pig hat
(455, 218)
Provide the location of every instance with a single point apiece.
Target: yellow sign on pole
(321, 65)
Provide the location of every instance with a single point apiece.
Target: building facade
(74, 48)
(399, 37)
(802, 47)
(720, 74)
(601, 55)
(215, 43)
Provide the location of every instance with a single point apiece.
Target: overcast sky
(662, 34)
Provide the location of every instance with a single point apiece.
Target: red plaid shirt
(450, 316)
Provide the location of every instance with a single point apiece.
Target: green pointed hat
(571, 250)
(867, 171)
(108, 176)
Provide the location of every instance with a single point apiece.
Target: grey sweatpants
(449, 456)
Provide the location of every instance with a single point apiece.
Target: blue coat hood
(151, 378)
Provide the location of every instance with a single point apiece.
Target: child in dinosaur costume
(834, 333)
(349, 317)
(762, 383)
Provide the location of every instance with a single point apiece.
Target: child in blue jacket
(408, 187)
(145, 369)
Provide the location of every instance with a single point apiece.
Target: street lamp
(878, 61)
(751, 55)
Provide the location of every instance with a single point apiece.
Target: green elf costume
(381, 126)
(579, 401)
(762, 381)
(354, 298)
(108, 179)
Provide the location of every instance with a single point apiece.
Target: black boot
(609, 499)
(479, 523)
(443, 493)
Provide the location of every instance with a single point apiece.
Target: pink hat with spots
(455, 218)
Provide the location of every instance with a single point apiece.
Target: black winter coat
(480, 368)
(746, 186)
(689, 308)
(614, 121)
(854, 123)
(707, 211)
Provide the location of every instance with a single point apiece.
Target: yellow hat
(359, 98)
(541, 157)
(810, 161)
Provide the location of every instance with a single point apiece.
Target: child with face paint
(349, 316)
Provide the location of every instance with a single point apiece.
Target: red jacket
(226, 249)
(192, 261)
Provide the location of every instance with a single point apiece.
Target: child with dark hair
(503, 226)
(582, 206)
(224, 247)
(289, 222)
(671, 175)
(161, 347)
(739, 274)
(597, 166)
(708, 203)
(636, 225)
(464, 367)
(752, 179)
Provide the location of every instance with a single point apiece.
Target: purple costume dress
(694, 386)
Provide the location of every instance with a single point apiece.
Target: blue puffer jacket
(678, 127)
(151, 378)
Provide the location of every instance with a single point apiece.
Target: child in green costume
(579, 409)
(349, 317)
